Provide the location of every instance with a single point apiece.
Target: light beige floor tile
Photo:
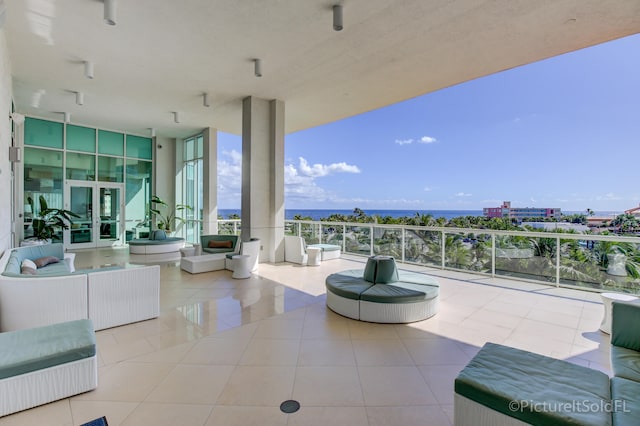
(320, 386)
(440, 379)
(366, 330)
(271, 352)
(436, 352)
(391, 386)
(127, 382)
(381, 352)
(220, 351)
(150, 413)
(192, 384)
(334, 416)
(112, 354)
(321, 352)
(431, 415)
(323, 328)
(115, 412)
(246, 416)
(170, 355)
(55, 414)
(264, 386)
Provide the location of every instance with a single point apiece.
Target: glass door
(99, 207)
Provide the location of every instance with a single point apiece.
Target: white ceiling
(163, 54)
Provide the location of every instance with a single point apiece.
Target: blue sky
(564, 132)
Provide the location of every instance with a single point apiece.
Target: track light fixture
(79, 98)
(337, 17)
(88, 69)
(257, 67)
(153, 132)
(67, 117)
(110, 12)
(205, 100)
(176, 117)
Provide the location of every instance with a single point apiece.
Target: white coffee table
(241, 267)
(607, 301)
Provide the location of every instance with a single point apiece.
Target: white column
(263, 175)
(210, 184)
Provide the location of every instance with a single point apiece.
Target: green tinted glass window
(138, 189)
(43, 133)
(110, 143)
(199, 147)
(139, 147)
(81, 166)
(110, 169)
(81, 138)
(42, 171)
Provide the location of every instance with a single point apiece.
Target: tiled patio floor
(228, 352)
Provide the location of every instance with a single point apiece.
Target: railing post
(493, 255)
(557, 261)
(370, 240)
(403, 242)
(442, 249)
(344, 238)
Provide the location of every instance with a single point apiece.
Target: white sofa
(295, 250)
(109, 296)
(249, 248)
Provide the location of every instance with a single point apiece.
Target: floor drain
(290, 406)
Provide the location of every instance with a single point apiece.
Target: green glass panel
(81, 166)
(43, 133)
(110, 169)
(139, 147)
(137, 193)
(199, 147)
(42, 177)
(110, 143)
(81, 138)
(188, 149)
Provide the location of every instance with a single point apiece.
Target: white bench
(204, 263)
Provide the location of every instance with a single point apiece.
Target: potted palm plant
(48, 222)
(165, 216)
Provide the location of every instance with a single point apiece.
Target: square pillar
(263, 175)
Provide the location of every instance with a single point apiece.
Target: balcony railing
(590, 262)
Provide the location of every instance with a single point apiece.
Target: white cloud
(428, 139)
(463, 194)
(320, 170)
(427, 189)
(404, 141)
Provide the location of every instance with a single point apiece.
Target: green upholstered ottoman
(381, 293)
(504, 385)
(44, 364)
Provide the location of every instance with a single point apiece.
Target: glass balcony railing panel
(229, 227)
(387, 242)
(358, 240)
(423, 247)
(290, 228)
(308, 231)
(468, 251)
(332, 234)
(600, 265)
(537, 262)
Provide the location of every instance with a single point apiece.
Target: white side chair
(250, 248)
(295, 250)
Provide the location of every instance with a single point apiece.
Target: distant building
(634, 211)
(519, 213)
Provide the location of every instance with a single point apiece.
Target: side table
(314, 256)
(241, 267)
(187, 251)
(607, 301)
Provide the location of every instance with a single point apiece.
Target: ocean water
(317, 214)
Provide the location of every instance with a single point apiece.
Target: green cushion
(625, 405)
(625, 362)
(348, 284)
(381, 270)
(326, 247)
(14, 263)
(393, 293)
(499, 375)
(625, 324)
(158, 234)
(33, 349)
(55, 269)
(148, 242)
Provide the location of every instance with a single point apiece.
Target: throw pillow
(158, 235)
(28, 267)
(44, 261)
(220, 244)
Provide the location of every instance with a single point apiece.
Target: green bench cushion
(625, 406)
(14, 264)
(37, 348)
(325, 247)
(625, 363)
(399, 292)
(499, 375)
(348, 284)
(625, 327)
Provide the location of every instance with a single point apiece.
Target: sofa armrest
(625, 324)
(70, 259)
